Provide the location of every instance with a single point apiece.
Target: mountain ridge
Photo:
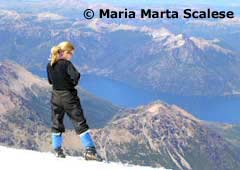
(142, 56)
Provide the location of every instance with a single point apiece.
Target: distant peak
(49, 16)
(155, 108)
(159, 107)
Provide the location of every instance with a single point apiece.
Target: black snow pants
(66, 101)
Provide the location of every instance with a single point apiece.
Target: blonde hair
(56, 50)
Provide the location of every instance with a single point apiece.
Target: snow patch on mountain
(157, 34)
(161, 36)
(9, 14)
(99, 26)
(204, 44)
(49, 16)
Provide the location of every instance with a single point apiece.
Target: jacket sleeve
(73, 73)
(49, 74)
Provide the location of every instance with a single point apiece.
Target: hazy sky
(172, 2)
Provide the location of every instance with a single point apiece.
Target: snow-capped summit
(203, 43)
(28, 160)
(6, 14)
(156, 33)
(49, 16)
(99, 26)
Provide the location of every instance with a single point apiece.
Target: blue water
(220, 109)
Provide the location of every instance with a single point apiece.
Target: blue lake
(220, 109)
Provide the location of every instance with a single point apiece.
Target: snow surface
(31, 160)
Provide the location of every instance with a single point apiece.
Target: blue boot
(87, 140)
(90, 151)
(57, 141)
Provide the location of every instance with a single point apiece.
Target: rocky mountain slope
(160, 134)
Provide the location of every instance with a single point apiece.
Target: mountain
(165, 135)
(158, 134)
(153, 58)
(175, 64)
(25, 116)
(25, 159)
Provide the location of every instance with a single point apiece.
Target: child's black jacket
(63, 75)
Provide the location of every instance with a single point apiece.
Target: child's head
(63, 50)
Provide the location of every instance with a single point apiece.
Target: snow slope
(29, 160)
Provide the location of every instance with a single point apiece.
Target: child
(64, 77)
